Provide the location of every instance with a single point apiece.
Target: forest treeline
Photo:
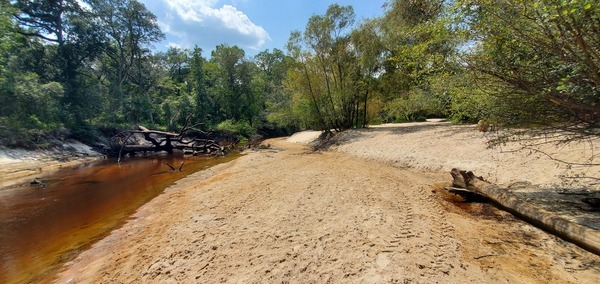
(81, 68)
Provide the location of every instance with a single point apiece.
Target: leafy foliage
(333, 70)
(542, 58)
(420, 49)
(242, 129)
(73, 69)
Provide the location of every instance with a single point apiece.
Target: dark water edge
(43, 227)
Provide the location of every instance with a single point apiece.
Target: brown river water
(42, 227)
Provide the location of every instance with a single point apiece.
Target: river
(44, 226)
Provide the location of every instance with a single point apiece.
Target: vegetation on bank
(86, 71)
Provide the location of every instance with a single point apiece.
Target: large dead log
(583, 236)
(164, 141)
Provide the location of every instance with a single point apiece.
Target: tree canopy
(79, 67)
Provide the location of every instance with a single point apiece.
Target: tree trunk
(583, 236)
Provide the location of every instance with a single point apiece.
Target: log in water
(43, 226)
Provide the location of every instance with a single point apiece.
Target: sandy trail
(290, 215)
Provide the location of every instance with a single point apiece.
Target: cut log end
(464, 179)
(458, 178)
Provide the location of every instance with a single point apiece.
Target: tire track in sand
(283, 217)
(420, 242)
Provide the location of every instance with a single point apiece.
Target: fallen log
(583, 236)
(159, 141)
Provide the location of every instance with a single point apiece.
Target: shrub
(416, 106)
(242, 129)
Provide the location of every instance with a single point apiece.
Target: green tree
(67, 25)
(273, 64)
(49, 20)
(177, 61)
(330, 66)
(233, 88)
(368, 46)
(204, 103)
(8, 35)
(273, 67)
(540, 60)
(420, 47)
(128, 28)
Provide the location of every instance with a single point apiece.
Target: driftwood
(169, 141)
(583, 236)
(173, 168)
(162, 141)
(37, 182)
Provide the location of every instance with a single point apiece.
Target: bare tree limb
(172, 168)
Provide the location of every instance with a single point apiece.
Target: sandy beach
(360, 212)
(21, 166)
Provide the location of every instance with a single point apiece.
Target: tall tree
(8, 34)
(66, 24)
(204, 108)
(273, 64)
(273, 67)
(330, 67)
(419, 47)
(47, 19)
(368, 47)
(233, 89)
(29, 103)
(177, 60)
(129, 28)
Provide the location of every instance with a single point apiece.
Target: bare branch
(172, 168)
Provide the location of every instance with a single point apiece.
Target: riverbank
(21, 166)
(288, 214)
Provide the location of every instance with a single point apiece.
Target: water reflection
(43, 226)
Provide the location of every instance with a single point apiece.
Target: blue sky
(253, 25)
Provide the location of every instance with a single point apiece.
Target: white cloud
(201, 22)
